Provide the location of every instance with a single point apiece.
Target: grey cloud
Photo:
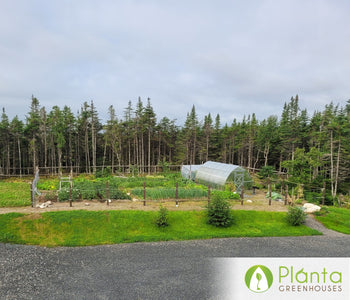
(231, 58)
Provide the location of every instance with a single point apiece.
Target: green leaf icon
(258, 277)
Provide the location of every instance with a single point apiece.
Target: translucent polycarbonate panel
(189, 171)
(207, 176)
(216, 174)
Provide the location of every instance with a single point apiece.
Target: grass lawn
(81, 228)
(337, 219)
(14, 194)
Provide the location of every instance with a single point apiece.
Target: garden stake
(323, 192)
(177, 194)
(32, 194)
(107, 192)
(286, 196)
(208, 194)
(70, 196)
(144, 193)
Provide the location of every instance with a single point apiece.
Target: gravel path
(313, 223)
(165, 270)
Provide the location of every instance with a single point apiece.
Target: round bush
(162, 217)
(219, 212)
(295, 216)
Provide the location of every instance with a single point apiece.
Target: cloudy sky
(228, 57)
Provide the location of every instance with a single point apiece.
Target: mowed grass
(14, 194)
(82, 228)
(337, 219)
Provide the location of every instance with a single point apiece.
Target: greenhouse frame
(216, 174)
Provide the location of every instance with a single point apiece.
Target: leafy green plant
(162, 219)
(230, 186)
(295, 216)
(63, 194)
(226, 194)
(47, 184)
(86, 189)
(169, 193)
(219, 212)
(51, 195)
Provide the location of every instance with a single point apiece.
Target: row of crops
(153, 187)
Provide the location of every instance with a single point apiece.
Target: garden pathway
(314, 224)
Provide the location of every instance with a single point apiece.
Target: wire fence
(115, 169)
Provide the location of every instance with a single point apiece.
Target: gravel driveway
(164, 270)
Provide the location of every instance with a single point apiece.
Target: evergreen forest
(312, 148)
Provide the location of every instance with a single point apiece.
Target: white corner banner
(282, 278)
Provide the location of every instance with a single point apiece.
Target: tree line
(312, 148)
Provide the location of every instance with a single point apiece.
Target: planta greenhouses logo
(258, 279)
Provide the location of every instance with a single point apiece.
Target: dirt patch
(33, 216)
(251, 202)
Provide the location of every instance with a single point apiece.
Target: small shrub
(295, 216)
(162, 217)
(219, 212)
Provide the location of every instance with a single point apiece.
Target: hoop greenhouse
(217, 174)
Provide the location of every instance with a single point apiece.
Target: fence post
(177, 194)
(242, 194)
(323, 192)
(286, 196)
(144, 193)
(32, 194)
(70, 196)
(107, 192)
(208, 194)
(269, 192)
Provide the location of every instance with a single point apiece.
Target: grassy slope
(14, 194)
(337, 219)
(80, 228)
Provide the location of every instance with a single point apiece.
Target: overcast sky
(234, 58)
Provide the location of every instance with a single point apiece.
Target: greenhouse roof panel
(217, 173)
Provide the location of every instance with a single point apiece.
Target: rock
(311, 208)
(45, 204)
(249, 201)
